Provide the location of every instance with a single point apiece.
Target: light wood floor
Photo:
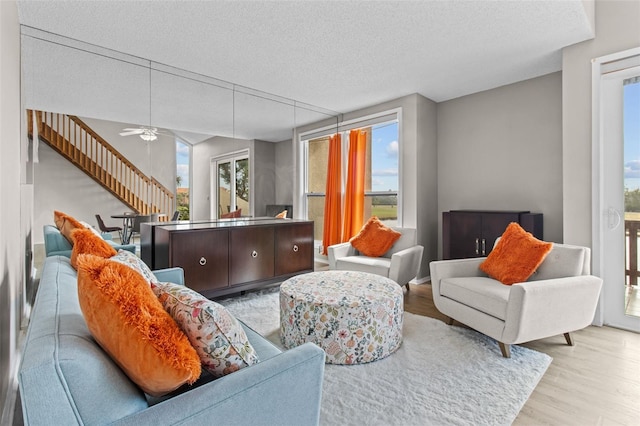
(595, 382)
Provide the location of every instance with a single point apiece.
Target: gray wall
(502, 150)
(14, 227)
(264, 176)
(284, 172)
(617, 29)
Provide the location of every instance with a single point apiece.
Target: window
(231, 189)
(183, 154)
(381, 174)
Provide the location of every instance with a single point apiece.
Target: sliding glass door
(230, 189)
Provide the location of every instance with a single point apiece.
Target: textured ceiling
(338, 55)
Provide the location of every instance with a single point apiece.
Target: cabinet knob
(254, 254)
(295, 248)
(203, 261)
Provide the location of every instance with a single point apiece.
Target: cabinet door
(465, 234)
(493, 226)
(204, 256)
(251, 254)
(294, 248)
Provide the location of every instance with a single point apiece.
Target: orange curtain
(354, 191)
(333, 195)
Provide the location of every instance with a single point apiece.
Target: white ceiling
(338, 55)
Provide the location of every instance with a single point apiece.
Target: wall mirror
(112, 91)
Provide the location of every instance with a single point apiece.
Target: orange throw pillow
(86, 242)
(375, 238)
(516, 256)
(130, 324)
(66, 224)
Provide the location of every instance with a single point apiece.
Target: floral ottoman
(356, 317)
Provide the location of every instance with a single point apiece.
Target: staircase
(85, 149)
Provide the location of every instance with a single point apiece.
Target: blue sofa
(66, 378)
(55, 244)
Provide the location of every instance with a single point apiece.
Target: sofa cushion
(373, 265)
(375, 238)
(562, 261)
(86, 242)
(482, 293)
(129, 322)
(219, 339)
(134, 262)
(516, 255)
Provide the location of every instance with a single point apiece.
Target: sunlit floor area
(632, 300)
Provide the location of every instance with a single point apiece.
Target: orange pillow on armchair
(375, 238)
(516, 256)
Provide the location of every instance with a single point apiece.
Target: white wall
(617, 29)
(12, 224)
(502, 150)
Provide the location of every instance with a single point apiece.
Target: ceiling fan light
(148, 137)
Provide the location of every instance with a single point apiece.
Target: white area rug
(441, 375)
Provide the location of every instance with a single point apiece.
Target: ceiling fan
(146, 133)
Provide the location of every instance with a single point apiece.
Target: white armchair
(559, 298)
(401, 263)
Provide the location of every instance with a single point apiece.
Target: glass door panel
(224, 187)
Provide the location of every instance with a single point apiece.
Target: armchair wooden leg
(407, 285)
(505, 349)
(569, 339)
(450, 321)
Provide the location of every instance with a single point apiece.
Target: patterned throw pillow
(217, 336)
(131, 260)
(127, 320)
(375, 238)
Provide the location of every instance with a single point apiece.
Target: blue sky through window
(182, 163)
(632, 136)
(384, 157)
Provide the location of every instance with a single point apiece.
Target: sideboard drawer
(251, 254)
(294, 248)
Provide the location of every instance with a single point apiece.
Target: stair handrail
(102, 162)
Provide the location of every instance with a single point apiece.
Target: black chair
(137, 220)
(176, 216)
(108, 229)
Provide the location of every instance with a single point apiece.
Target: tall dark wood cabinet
(472, 233)
(224, 257)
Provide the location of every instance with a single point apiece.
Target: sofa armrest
(405, 264)
(283, 390)
(337, 251)
(171, 275)
(442, 269)
(551, 307)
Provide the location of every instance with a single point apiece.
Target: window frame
(344, 127)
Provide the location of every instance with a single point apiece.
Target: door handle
(614, 218)
(477, 245)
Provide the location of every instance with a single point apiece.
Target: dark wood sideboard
(229, 256)
(472, 233)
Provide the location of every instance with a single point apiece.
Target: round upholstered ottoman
(356, 317)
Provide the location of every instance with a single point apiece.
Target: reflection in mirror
(110, 91)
